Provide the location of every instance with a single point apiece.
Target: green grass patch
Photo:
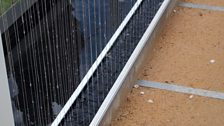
(5, 5)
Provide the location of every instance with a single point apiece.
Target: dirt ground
(183, 54)
(189, 52)
(168, 109)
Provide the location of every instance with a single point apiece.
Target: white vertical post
(6, 113)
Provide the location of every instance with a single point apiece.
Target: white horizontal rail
(118, 83)
(91, 71)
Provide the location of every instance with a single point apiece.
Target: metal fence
(50, 45)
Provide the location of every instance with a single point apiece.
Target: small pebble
(174, 11)
(136, 86)
(142, 93)
(191, 96)
(212, 61)
(150, 101)
(166, 82)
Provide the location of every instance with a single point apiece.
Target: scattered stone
(174, 11)
(167, 82)
(136, 86)
(125, 114)
(212, 61)
(145, 73)
(168, 120)
(150, 101)
(142, 93)
(191, 96)
(128, 99)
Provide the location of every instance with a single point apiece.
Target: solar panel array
(49, 45)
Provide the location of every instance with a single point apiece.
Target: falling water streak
(18, 49)
(71, 76)
(106, 37)
(36, 62)
(97, 39)
(32, 42)
(89, 41)
(48, 65)
(113, 24)
(43, 64)
(56, 53)
(56, 47)
(25, 112)
(26, 48)
(91, 51)
(60, 28)
(96, 45)
(80, 47)
(117, 67)
(64, 52)
(96, 53)
(62, 56)
(68, 63)
(64, 43)
(68, 66)
(55, 40)
(69, 59)
(85, 52)
(50, 69)
(27, 121)
(28, 66)
(58, 19)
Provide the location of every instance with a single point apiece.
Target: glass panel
(49, 45)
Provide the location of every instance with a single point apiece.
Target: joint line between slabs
(182, 89)
(200, 6)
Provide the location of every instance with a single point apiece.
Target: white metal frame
(93, 68)
(6, 113)
(128, 74)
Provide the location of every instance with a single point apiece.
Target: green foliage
(5, 4)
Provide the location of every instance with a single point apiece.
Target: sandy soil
(207, 2)
(168, 109)
(191, 38)
(182, 55)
